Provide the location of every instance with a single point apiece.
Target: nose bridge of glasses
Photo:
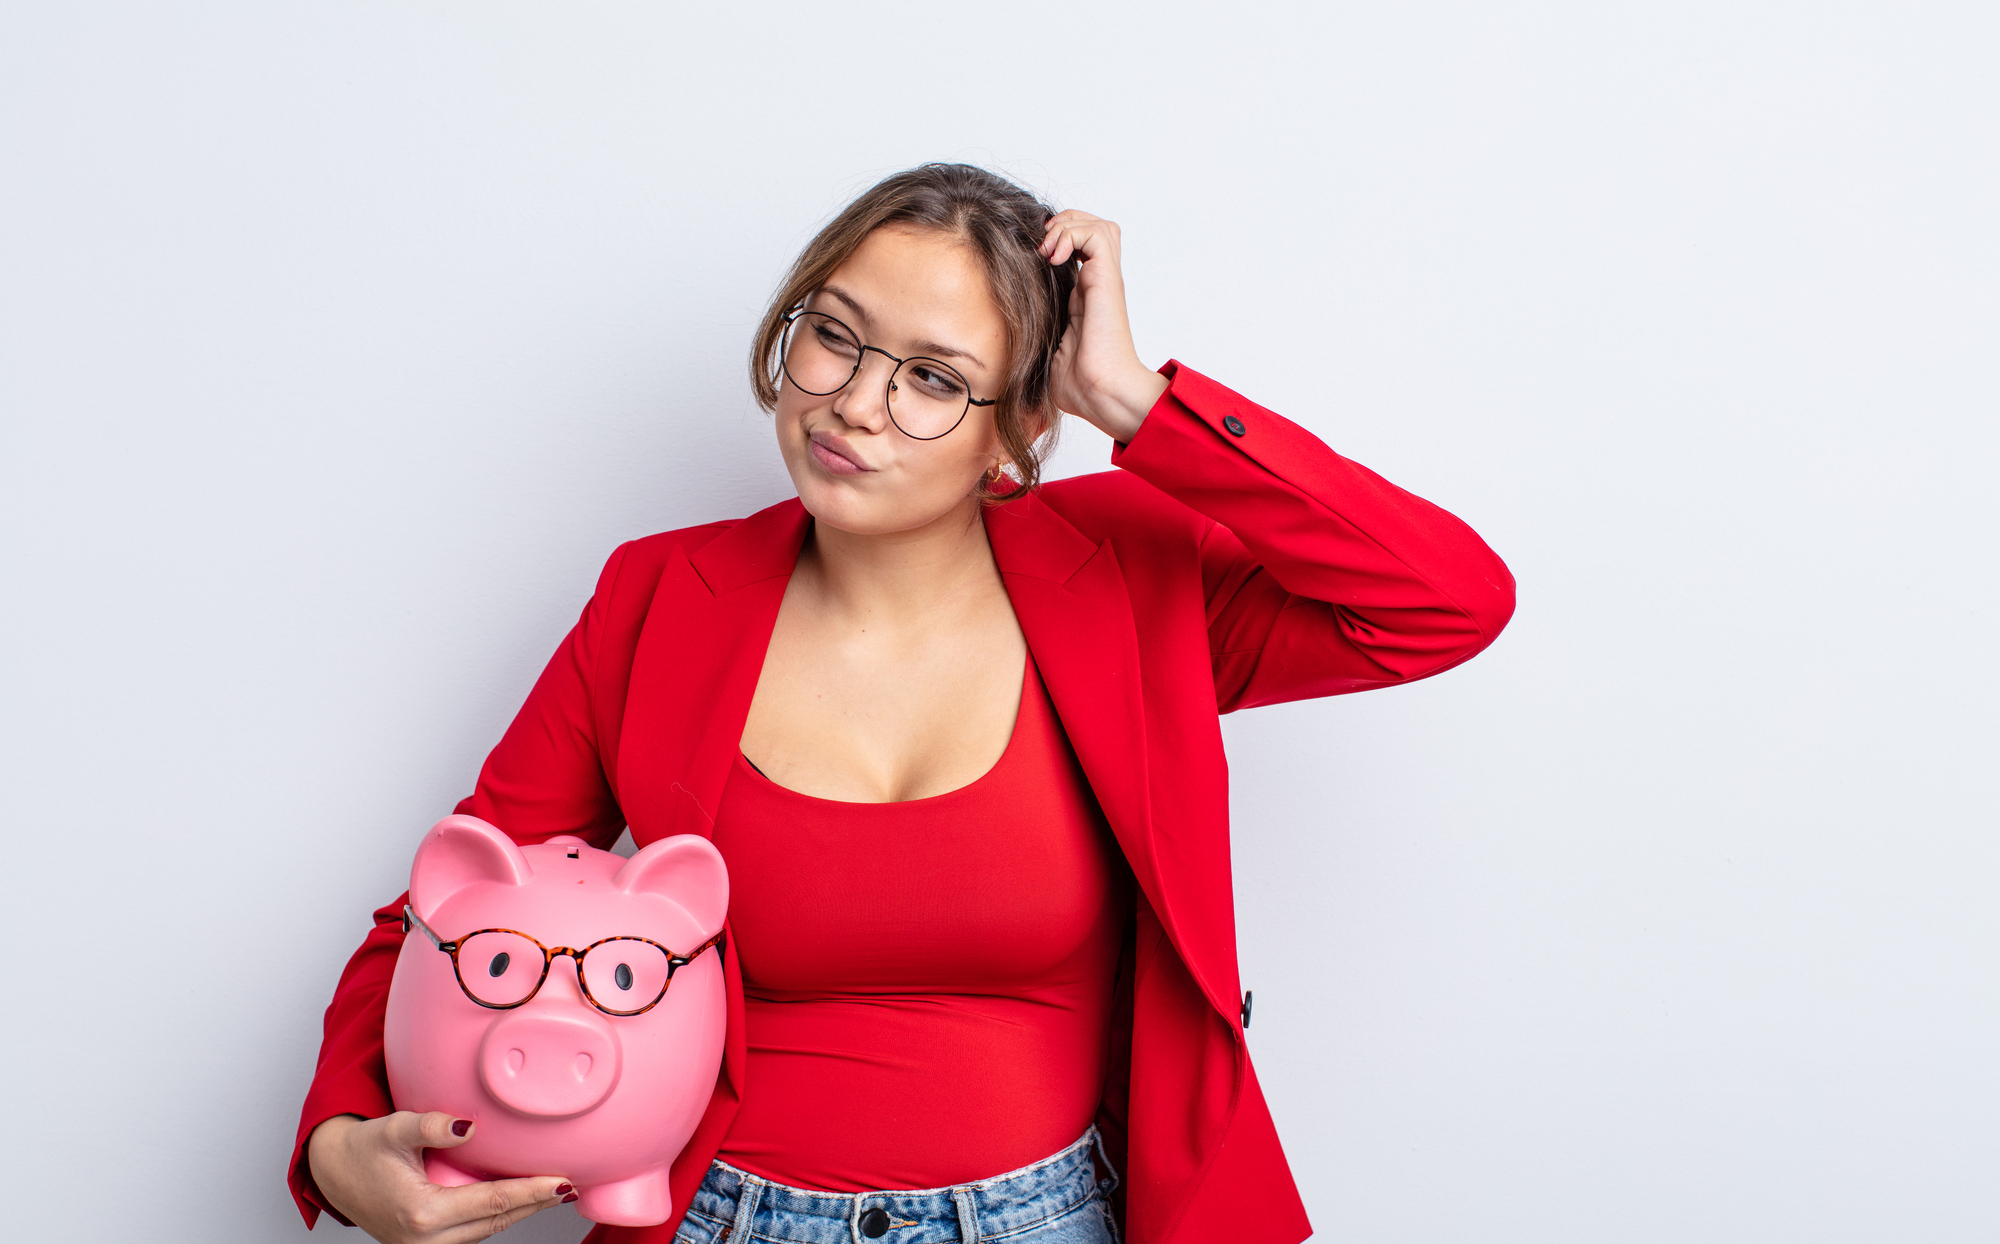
(573, 977)
(885, 370)
(868, 385)
(894, 362)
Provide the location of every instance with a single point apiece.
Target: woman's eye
(938, 382)
(499, 965)
(834, 341)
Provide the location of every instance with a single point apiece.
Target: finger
(494, 1200)
(1094, 240)
(1101, 242)
(1061, 222)
(1070, 217)
(1085, 240)
(436, 1130)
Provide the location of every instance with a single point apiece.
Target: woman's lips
(822, 448)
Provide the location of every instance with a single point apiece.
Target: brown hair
(1003, 224)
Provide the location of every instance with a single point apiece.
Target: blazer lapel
(1071, 600)
(696, 669)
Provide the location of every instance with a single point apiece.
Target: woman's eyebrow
(932, 349)
(938, 350)
(845, 297)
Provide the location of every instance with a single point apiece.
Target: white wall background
(340, 343)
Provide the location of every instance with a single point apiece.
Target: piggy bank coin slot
(574, 852)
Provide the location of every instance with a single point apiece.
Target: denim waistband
(747, 1205)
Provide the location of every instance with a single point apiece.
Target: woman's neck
(902, 578)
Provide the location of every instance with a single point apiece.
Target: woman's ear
(1037, 423)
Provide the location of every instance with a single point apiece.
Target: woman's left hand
(1098, 375)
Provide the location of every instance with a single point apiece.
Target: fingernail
(566, 1200)
(564, 1189)
(460, 1127)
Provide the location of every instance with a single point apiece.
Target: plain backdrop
(340, 343)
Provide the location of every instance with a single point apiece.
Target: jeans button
(875, 1223)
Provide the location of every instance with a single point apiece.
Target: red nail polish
(460, 1127)
(564, 1189)
(566, 1200)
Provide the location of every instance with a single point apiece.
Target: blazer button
(875, 1223)
(1234, 425)
(1247, 995)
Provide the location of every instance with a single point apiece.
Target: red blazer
(1233, 561)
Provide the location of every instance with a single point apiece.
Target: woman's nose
(863, 402)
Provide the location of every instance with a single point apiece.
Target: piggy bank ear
(685, 868)
(458, 851)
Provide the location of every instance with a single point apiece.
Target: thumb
(435, 1130)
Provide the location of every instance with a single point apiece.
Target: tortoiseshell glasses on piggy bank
(501, 969)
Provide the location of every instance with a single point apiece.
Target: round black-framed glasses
(508, 967)
(927, 398)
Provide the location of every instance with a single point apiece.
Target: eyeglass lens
(926, 398)
(626, 974)
(500, 968)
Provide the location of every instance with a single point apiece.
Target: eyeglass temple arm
(676, 962)
(412, 920)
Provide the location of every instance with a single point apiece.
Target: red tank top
(927, 985)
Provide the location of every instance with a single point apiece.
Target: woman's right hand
(372, 1170)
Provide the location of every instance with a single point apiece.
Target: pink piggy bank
(532, 997)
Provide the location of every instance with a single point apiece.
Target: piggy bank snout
(549, 1065)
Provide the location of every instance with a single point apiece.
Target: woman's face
(910, 293)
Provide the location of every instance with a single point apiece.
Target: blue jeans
(1058, 1200)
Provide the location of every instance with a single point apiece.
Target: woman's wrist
(325, 1134)
(1120, 406)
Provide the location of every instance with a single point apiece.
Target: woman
(956, 735)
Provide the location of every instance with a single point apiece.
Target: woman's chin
(841, 505)
(838, 503)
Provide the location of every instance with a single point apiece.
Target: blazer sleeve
(544, 778)
(1319, 576)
